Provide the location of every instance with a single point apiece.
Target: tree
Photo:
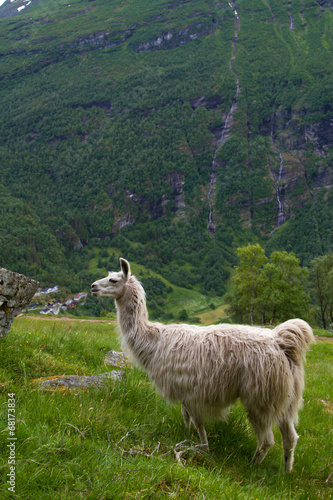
(321, 283)
(267, 290)
(248, 278)
(289, 298)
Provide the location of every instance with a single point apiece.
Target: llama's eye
(112, 281)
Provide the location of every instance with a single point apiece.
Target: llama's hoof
(288, 464)
(258, 457)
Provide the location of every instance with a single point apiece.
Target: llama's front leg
(289, 439)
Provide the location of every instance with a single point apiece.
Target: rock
(118, 359)
(16, 292)
(78, 381)
(175, 38)
(127, 220)
(78, 245)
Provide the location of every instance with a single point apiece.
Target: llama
(207, 368)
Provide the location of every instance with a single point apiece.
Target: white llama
(207, 368)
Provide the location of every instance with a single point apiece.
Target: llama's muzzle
(94, 288)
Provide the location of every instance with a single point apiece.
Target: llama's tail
(294, 337)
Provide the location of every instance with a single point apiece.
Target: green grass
(323, 333)
(213, 315)
(118, 442)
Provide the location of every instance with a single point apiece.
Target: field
(119, 442)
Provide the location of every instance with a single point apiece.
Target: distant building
(48, 290)
(31, 307)
(80, 296)
(54, 308)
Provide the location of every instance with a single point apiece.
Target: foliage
(321, 282)
(309, 233)
(267, 290)
(110, 114)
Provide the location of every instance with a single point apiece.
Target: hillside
(170, 130)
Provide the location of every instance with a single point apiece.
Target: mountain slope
(174, 130)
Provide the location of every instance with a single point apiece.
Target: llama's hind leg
(289, 439)
(265, 437)
(265, 442)
(198, 424)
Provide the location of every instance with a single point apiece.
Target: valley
(172, 132)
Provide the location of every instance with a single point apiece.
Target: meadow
(119, 441)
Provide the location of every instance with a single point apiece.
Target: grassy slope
(194, 302)
(213, 316)
(56, 460)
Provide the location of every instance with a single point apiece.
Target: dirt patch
(324, 339)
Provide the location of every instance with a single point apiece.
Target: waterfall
(281, 215)
(211, 227)
(291, 23)
(272, 128)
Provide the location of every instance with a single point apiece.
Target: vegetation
(322, 287)
(267, 290)
(119, 441)
(109, 115)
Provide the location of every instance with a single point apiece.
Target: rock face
(16, 292)
(174, 38)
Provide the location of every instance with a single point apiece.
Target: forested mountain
(174, 130)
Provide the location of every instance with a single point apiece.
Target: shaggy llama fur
(207, 368)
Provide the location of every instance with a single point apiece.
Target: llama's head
(113, 285)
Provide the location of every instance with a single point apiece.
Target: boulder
(78, 381)
(16, 292)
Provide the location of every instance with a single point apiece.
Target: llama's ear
(125, 267)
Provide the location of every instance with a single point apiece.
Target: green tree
(248, 278)
(321, 283)
(288, 298)
(267, 290)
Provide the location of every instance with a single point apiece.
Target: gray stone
(116, 359)
(16, 292)
(79, 381)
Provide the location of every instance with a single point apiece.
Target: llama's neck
(139, 334)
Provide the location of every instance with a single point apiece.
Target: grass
(118, 442)
(213, 315)
(323, 333)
